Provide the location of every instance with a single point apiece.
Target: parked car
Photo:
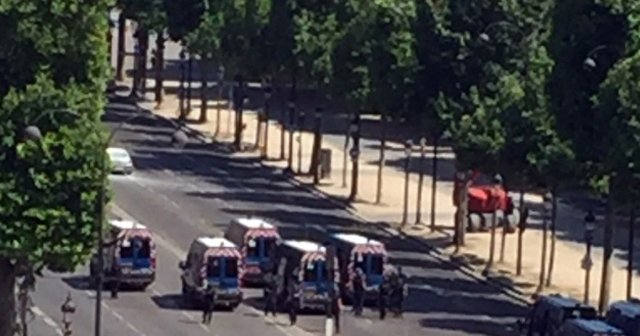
(549, 312)
(356, 251)
(257, 240)
(212, 261)
(121, 160)
(130, 245)
(582, 327)
(307, 260)
(625, 315)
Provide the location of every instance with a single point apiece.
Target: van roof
(212, 242)
(355, 239)
(563, 301)
(596, 326)
(626, 308)
(305, 245)
(126, 224)
(254, 223)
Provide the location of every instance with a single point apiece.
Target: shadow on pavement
(475, 327)
(171, 302)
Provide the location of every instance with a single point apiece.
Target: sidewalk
(568, 277)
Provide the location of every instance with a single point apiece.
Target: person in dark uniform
(209, 304)
(270, 293)
(395, 295)
(383, 293)
(335, 310)
(293, 297)
(358, 284)
(403, 291)
(116, 273)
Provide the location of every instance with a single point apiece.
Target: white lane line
(123, 320)
(47, 320)
(177, 252)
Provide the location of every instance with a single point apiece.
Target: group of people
(391, 292)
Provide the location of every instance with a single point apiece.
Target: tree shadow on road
(475, 327)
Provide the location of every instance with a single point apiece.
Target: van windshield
(376, 264)
(253, 248)
(135, 248)
(314, 269)
(375, 261)
(269, 246)
(215, 265)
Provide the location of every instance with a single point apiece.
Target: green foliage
(183, 16)
(205, 39)
(316, 33)
(374, 61)
(48, 188)
(149, 14)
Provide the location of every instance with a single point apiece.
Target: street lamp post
(423, 146)
(182, 79)
(291, 105)
(67, 308)
(587, 263)
(301, 119)
(267, 107)
(189, 80)
(219, 103)
(547, 199)
(407, 163)
(32, 132)
(354, 153)
(590, 61)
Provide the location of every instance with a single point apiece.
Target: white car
(121, 160)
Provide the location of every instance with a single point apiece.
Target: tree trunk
(159, 68)
(122, 26)
(605, 282)
(434, 181)
(317, 145)
(552, 249)
(521, 228)
(238, 105)
(630, 254)
(203, 91)
(144, 47)
(381, 161)
(7, 298)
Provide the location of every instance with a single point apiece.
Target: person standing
(383, 292)
(335, 311)
(395, 295)
(358, 284)
(293, 297)
(209, 304)
(270, 291)
(116, 272)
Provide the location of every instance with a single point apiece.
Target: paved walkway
(567, 275)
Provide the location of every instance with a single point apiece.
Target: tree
(205, 41)
(48, 189)
(316, 33)
(374, 60)
(151, 17)
(617, 103)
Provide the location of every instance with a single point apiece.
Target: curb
(462, 266)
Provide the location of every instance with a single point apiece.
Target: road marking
(179, 253)
(47, 320)
(122, 319)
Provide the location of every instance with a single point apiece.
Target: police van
(582, 327)
(625, 315)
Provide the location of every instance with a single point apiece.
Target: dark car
(625, 315)
(582, 327)
(549, 312)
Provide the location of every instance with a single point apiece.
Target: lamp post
(301, 118)
(407, 152)
(182, 79)
(547, 199)
(189, 80)
(354, 154)
(267, 107)
(587, 263)
(218, 105)
(32, 132)
(590, 61)
(67, 308)
(423, 146)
